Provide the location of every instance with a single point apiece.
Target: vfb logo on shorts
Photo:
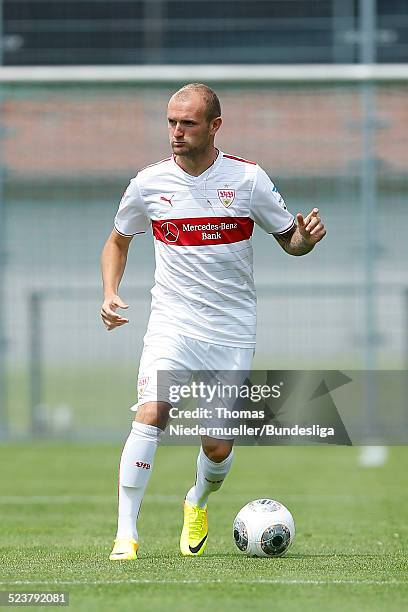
(170, 231)
(141, 385)
(226, 196)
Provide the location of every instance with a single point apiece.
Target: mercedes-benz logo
(170, 231)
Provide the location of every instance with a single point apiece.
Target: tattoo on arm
(293, 242)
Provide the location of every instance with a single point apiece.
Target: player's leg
(135, 468)
(165, 354)
(216, 454)
(213, 464)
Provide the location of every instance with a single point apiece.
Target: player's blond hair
(211, 101)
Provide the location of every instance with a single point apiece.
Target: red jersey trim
(155, 164)
(241, 159)
(202, 231)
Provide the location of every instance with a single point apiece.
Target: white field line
(276, 581)
(56, 499)
(171, 498)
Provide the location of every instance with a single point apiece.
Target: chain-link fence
(68, 152)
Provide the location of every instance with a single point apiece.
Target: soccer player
(202, 205)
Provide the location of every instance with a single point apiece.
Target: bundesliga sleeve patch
(203, 230)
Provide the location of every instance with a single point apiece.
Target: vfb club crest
(226, 196)
(141, 385)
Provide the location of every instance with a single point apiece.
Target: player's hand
(311, 227)
(109, 315)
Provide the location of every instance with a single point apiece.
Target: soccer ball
(264, 528)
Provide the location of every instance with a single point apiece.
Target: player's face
(190, 132)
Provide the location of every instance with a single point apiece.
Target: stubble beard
(191, 152)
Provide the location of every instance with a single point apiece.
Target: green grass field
(58, 518)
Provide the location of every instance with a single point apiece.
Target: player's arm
(301, 238)
(113, 263)
(268, 210)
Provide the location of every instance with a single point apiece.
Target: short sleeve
(268, 208)
(131, 217)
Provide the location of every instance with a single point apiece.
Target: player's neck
(197, 166)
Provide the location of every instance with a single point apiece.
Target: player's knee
(153, 413)
(218, 450)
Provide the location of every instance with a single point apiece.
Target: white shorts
(179, 356)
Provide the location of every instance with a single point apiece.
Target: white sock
(209, 478)
(135, 468)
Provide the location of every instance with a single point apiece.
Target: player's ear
(215, 125)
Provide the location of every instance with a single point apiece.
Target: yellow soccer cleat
(124, 550)
(193, 538)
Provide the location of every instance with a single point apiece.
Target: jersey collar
(204, 174)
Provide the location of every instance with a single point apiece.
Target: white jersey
(202, 227)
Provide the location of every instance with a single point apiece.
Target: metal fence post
(153, 31)
(3, 339)
(4, 429)
(35, 362)
(343, 48)
(367, 55)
